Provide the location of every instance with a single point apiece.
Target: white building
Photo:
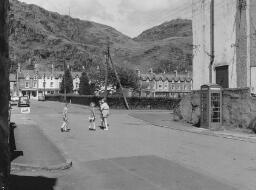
(234, 43)
(34, 82)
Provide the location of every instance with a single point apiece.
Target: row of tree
(92, 81)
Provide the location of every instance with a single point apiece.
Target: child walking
(92, 117)
(64, 127)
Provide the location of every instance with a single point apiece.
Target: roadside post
(211, 106)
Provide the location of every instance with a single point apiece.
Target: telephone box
(211, 106)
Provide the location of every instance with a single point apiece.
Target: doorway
(222, 76)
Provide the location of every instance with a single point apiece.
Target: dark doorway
(222, 76)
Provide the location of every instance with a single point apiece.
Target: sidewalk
(38, 152)
(164, 119)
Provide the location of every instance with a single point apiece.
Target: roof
(40, 74)
(165, 77)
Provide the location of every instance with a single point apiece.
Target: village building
(34, 83)
(165, 85)
(224, 43)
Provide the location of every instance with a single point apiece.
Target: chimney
(138, 72)
(19, 69)
(188, 74)
(36, 67)
(52, 69)
(176, 73)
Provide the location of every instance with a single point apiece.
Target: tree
(85, 88)
(4, 98)
(128, 77)
(67, 82)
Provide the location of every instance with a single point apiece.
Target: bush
(145, 103)
(252, 125)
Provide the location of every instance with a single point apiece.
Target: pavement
(39, 153)
(165, 119)
(134, 154)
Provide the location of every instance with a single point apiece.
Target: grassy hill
(38, 35)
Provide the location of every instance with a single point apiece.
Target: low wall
(239, 108)
(118, 102)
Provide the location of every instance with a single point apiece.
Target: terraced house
(165, 85)
(34, 82)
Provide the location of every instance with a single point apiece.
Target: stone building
(234, 43)
(35, 82)
(165, 85)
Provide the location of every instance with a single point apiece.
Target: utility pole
(117, 77)
(4, 98)
(211, 39)
(44, 84)
(64, 81)
(106, 76)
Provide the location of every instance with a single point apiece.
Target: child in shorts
(92, 117)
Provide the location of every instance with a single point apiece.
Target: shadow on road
(31, 183)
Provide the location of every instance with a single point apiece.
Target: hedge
(143, 103)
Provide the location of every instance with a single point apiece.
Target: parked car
(23, 101)
(14, 100)
(41, 97)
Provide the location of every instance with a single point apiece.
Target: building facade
(165, 85)
(34, 83)
(228, 29)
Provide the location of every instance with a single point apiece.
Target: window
(51, 84)
(160, 84)
(166, 85)
(26, 84)
(34, 84)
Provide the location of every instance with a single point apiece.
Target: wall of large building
(252, 45)
(201, 37)
(235, 42)
(224, 41)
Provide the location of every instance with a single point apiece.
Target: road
(134, 155)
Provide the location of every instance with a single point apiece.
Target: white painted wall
(225, 37)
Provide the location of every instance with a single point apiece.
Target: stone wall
(239, 108)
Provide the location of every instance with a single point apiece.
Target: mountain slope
(172, 29)
(37, 35)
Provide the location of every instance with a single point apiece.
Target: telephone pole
(106, 75)
(117, 77)
(44, 85)
(64, 81)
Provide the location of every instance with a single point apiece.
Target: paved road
(134, 155)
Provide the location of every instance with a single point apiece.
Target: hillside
(172, 29)
(37, 35)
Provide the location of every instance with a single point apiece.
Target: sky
(131, 17)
